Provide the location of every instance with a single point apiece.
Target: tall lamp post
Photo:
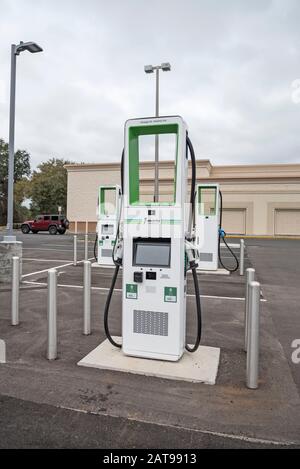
(165, 67)
(32, 47)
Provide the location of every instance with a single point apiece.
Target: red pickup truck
(52, 223)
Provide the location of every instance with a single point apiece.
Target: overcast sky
(235, 66)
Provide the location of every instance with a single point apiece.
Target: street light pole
(15, 50)
(11, 148)
(156, 170)
(165, 67)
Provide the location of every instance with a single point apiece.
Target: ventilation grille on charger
(106, 252)
(206, 256)
(150, 322)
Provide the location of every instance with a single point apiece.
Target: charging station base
(198, 367)
(102, 266)
(212, 272)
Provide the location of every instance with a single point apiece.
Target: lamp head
(166, 67)
(32, 47)
(149, 68)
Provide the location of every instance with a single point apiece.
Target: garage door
(287, 222)
(234, 221)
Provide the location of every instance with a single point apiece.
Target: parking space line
(46, 249)
(57, 250)
(46, 270)
(58, 245)
(56, 267)
(263, 300)
(67, 244)
(44, 260)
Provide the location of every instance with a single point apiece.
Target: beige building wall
(257, 199)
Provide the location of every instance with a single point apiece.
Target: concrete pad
(212, 272)
(102, 266)
(198, 367)
(231, 245)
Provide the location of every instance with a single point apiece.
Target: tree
(21, 173)
(21, 192)
(48, 187)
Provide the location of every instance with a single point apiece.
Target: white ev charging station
(208, 230)
(207, 225)
(153, 247)
(108, 208)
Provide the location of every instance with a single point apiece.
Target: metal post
(51, 315)
(250, 273)
(75, 250)
(86, 247)
(2, 351)
(242, 256)
(11, 148)
(253, 337)
(86, 297)
(156, 173)
(15, 291)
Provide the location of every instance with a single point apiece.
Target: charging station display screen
(152, 254)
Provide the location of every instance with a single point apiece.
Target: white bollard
(2, 351)
(250, 273)
(15, 291)
(253, 337)
(242, 256)
(52, 315)
(86, 297)
(75, 250)
(86, 247)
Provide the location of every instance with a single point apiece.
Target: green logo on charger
(131, 291)
(170, 294)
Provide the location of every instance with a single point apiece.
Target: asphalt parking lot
(58, 404)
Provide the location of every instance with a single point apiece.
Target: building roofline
(248, 171)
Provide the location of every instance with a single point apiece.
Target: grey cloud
(232, 62)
